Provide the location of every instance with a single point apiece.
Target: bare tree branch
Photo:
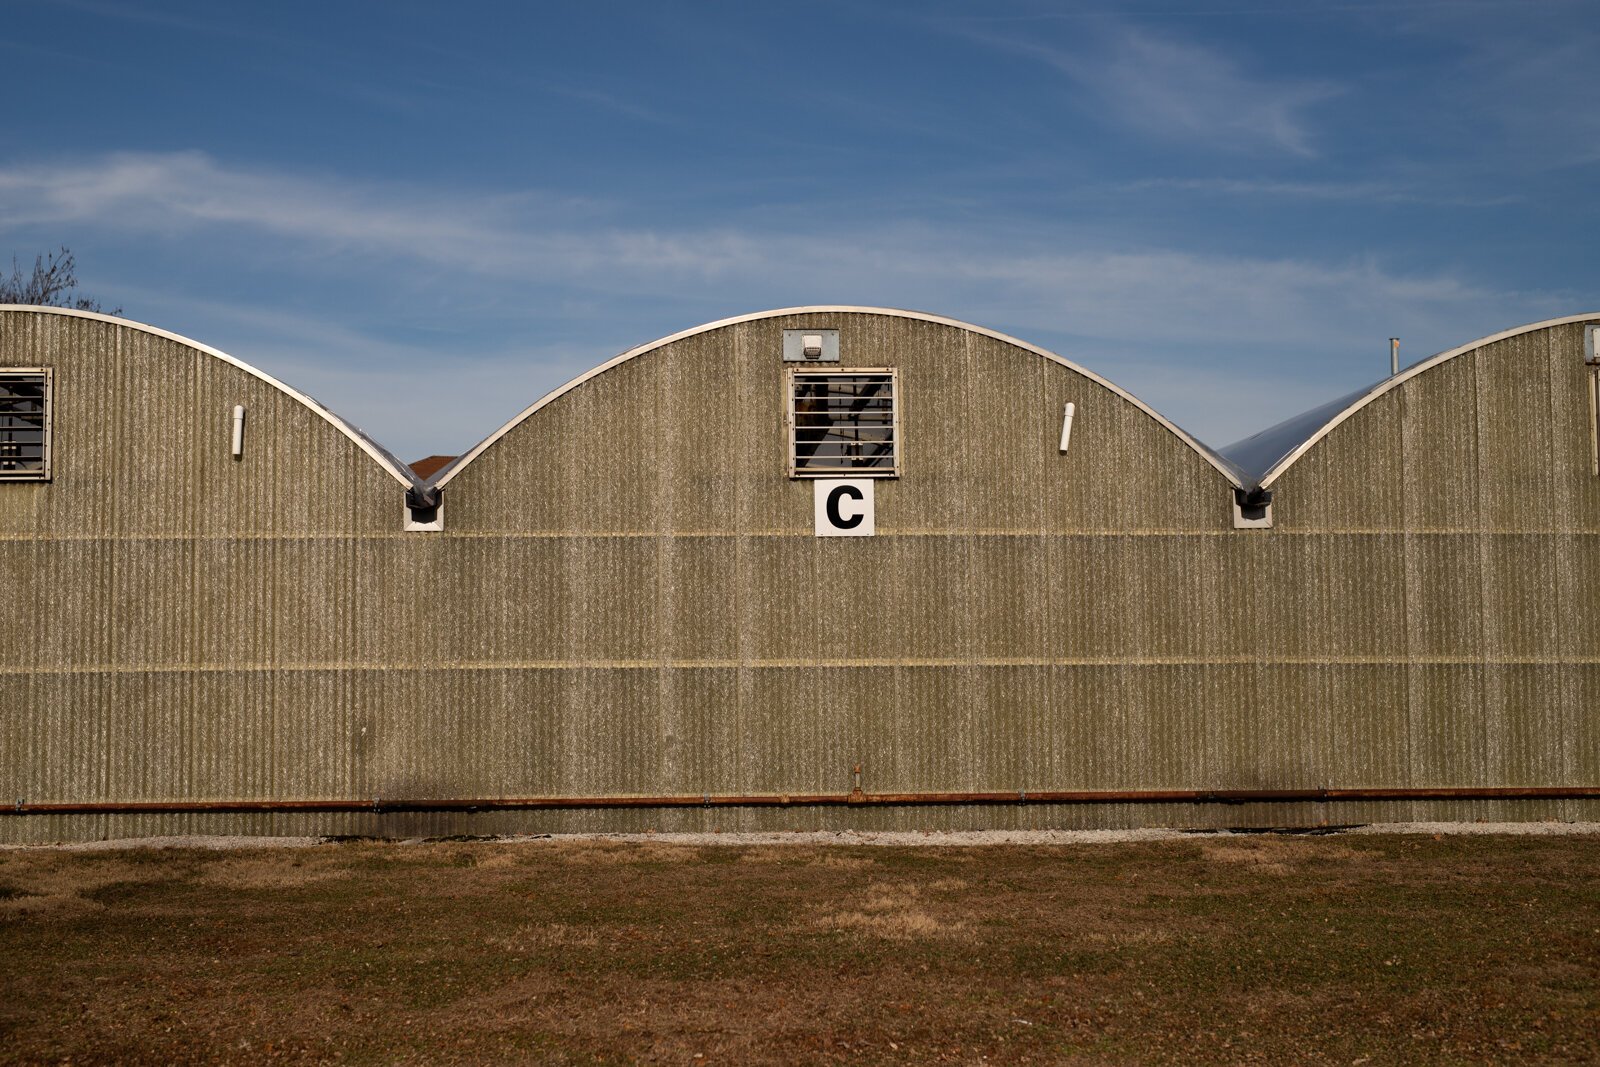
(51, 284)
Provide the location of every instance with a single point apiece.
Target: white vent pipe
(1066, 426)
(238, 431)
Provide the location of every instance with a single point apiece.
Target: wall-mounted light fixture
(811, 346)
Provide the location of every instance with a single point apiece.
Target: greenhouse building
(815, 568)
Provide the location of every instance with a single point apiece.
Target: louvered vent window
(24, 425)
(843, 424)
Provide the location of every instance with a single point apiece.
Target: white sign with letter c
(844, 507)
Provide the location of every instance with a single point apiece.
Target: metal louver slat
(843, 422)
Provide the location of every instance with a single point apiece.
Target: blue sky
(428, 215)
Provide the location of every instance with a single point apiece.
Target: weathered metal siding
(1023, 621)
(1439, 551)
(628, 600)
(185, 625)
(635, 563)
(685, 439)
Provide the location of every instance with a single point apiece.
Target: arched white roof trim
(1289, 458)
(1223, 467)
(383, 456)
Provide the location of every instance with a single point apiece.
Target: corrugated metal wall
(177, 618)
(637, 565)
(1448, 536)
(628, 599)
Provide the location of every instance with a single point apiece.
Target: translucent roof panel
(1256, 454)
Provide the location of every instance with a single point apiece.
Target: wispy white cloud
(1541, 93)
(1154, 322)
(440, 393)
(163, 192)
(1128, 312)
(632, 109)
(1509, 87)
(416, 413)
(1363, 192)
(1179, 90)
(1164, 297)
(522, 238)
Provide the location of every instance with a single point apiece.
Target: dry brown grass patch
(1277, 856)
(535, 936)
(761, 854)
(605, 854)
(271, 871)
(60, 883)
(1129, 937)
(901, 925)
(498, 861)
(893, 910)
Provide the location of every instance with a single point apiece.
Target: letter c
(835, 515)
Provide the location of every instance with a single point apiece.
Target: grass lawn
(1271, 949)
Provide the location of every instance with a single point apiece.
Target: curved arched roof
(1226, 468)
(383, 456)
(1266, 455)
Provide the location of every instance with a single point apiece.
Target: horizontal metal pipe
(854, 798)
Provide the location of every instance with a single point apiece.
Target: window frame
(45, 471)
(793, 373)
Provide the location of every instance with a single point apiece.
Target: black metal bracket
(1253, 502)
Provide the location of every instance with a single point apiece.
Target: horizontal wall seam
(606, 535)
(854, 798)
(820, 664)
(807, 536)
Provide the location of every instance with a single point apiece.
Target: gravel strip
(1525, 829)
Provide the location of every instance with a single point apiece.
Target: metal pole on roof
(1394, 356)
